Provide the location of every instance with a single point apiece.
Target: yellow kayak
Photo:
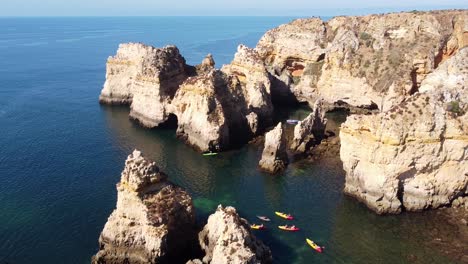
(284, 215)
(314, 246)
(289, 228)
(257, 227)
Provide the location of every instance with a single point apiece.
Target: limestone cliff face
(310, 130)
(153, 218)
(413, 156)
(209, 104)
(146, 77)
(369, 61)
(227, 238)
(201, 114)
(254, 79)
(274, 155)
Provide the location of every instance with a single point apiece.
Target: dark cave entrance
(170, 123)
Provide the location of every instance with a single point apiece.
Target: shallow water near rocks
(61, 153)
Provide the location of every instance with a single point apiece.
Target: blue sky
(215, 7)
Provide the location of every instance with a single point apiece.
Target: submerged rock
(274, 155)
(413, 156)
(310, 130)
(373, 61)
(227, 238)
(153, 221)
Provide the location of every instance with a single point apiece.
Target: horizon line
(329, 12)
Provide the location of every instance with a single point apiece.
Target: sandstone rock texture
(372, 61)
(153, 220)
(274, 155)
(310, 130)
(254, 79)
(413, 156)
(202, 115)
(227, 238)
(215, 109)
(146, 77)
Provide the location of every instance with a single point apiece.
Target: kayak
(263, 218)
(210, 154)
(285, 216)
(257, 227)
(289, 228)
(314, 246)
(292, 121)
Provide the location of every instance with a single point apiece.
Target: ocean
(61, 153)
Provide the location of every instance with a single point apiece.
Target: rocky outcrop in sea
(209, 104)
(227, 238)
(145, 77)
(406, 68)
(413, 156)
(310, 130)
(274, 156)
(153, 221)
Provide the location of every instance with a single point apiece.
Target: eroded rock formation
(310, 130)
(146, 77)
(274, 155)
(227, 238)
(202, 114)
(208, 103)
(254, 79)
(154, 219)
(413, 156)
(369, 61)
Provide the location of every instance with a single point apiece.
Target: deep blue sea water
(61, 153)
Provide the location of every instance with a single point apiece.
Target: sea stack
(310, 130)
(414, 155)
(274, 156)
(145, 77)
(154, 219)
(214, 109)
(227, 238)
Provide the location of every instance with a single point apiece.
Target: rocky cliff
(310, 130)
(153, 220)
(202, 113)
(274, 155)
(209, 104)
(227, 238)
(372, 61)
(252, 76)
(146, 77)
(413, 156)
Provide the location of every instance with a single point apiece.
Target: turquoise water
(61, 153)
